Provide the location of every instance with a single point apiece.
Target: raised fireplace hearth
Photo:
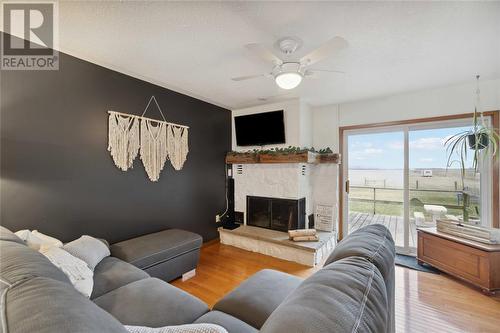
(275, 213)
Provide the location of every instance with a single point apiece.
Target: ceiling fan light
(288, 80)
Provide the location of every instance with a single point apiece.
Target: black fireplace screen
(276, 214)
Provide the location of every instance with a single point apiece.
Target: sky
(385, 150)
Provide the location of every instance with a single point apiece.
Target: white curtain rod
(146, 118)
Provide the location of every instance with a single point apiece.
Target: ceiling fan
(288, 74)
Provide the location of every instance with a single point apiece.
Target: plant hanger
(482, 139)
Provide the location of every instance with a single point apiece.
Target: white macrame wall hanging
(177, 145)
(155, 141)
(123, 140)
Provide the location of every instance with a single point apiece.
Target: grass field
(443, 189)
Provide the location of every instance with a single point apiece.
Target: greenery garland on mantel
(284, 151)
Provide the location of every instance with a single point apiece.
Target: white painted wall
(428, 103)
(325, 127)
(451, 100)
(324, 177)
(305, 125)
(421, 104)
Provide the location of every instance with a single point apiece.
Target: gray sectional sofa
(353, 292)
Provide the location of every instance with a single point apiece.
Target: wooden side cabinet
(468, 260)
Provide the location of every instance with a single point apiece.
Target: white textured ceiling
(196, 47)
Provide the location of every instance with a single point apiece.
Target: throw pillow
(190, 328)
(23, 234)
(75, 269)
(89, 249)
(47, 241)
(36, 240)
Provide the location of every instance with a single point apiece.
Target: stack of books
(472, 232)
(303, 235)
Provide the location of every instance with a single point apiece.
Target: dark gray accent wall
(58, 177)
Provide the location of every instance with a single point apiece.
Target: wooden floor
(394, 223)
(425, 302)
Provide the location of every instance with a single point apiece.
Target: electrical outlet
(217, 218)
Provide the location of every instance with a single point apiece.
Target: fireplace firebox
(277, 214)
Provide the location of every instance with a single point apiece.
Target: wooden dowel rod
(146, 118)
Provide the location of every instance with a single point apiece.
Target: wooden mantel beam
(304, 157)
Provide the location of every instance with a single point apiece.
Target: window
(398, 176)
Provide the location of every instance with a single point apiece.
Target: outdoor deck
(394, 223)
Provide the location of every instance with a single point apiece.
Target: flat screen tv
(260, 129)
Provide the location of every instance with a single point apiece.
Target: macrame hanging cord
(154, 140)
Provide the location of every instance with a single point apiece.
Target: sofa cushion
(37, 240)
(89, 249)
(19, 262)
(44, 305)
(373, 242)
(230, 323)
(112, 273)
(152, 249)
(256, 298)
(152, 302)
(345, 296)
(7, 235)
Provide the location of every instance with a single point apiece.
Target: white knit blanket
(75, 269)
(190, 328)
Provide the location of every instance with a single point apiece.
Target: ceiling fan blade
(280, 97)
(312, 71)
(333, 45)
(248, 77)
(264, 53)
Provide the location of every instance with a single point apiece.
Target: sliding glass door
(376, 176)
(401, 177)
(437, 191)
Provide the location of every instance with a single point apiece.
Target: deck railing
(461, 204)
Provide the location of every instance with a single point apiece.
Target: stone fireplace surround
(317, 183)
(280, 181)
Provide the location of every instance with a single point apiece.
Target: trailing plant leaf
(326, 150)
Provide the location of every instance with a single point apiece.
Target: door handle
(347, 186)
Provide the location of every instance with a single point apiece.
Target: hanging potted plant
(481, 139)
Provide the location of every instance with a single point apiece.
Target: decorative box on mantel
(241, 158)
(306, 157)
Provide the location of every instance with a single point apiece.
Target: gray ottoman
(167, 254)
